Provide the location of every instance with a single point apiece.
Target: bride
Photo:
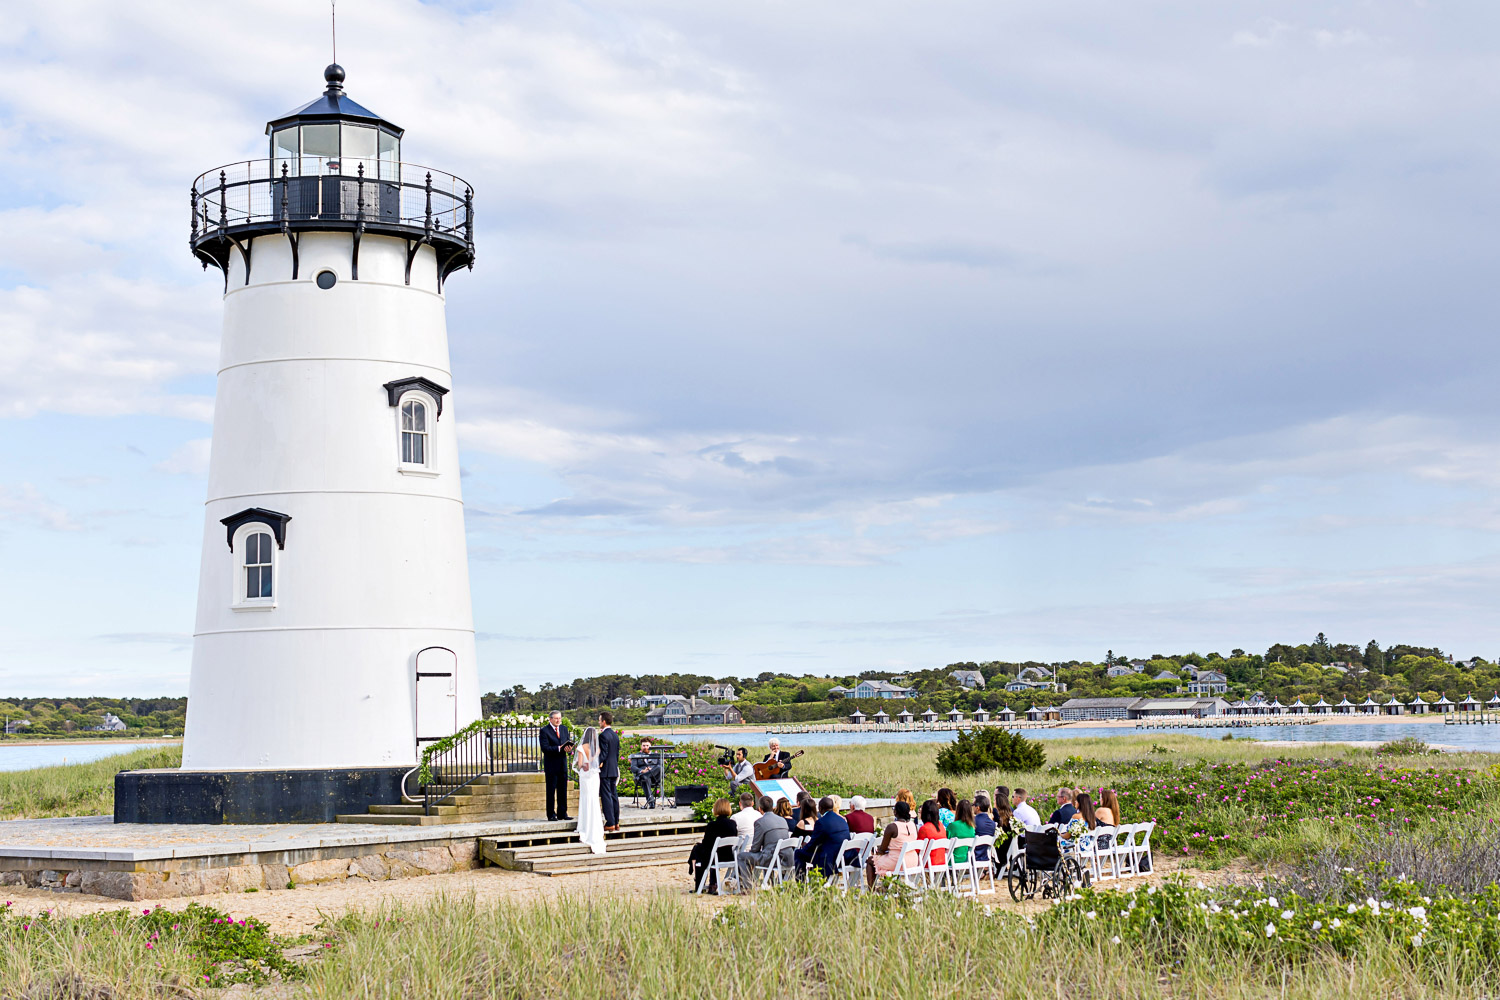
(590, 810)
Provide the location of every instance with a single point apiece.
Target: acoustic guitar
(767, 769)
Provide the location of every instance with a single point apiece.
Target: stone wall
(394, 862)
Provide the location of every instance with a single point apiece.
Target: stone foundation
(143, 884)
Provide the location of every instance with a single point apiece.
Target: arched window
(414, 449)
(259, 582)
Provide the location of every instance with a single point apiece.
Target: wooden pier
(794, 729)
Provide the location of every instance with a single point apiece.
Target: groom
(609, 772)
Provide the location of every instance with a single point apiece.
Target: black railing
(486, 751)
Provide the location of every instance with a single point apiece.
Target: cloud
(25, 505)
(190, 459)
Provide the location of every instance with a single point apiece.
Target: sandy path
(299, 911)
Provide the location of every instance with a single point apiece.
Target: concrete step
(412, 810)
(603, 865)
(398, 820)
(632, 844)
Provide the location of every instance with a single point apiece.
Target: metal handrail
(487, 751)
(269, 192)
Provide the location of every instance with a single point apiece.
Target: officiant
(557, 743)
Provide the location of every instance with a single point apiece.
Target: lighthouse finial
(333, 27)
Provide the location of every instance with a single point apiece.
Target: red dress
(931, 831)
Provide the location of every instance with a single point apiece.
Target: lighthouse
(334, 630)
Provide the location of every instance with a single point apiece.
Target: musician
(778, 756)
(741, 773)
(649, 772)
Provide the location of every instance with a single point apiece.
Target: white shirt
(1028, 816)
(743, 771)
(745, 820)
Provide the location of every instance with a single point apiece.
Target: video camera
(726, 759)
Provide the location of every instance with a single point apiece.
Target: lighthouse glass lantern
(334, 630)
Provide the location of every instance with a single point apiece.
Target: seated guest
(984, 824)
(1002, 797)
(828, 835)
(1108, 812)
(805, 815)
(905, 795)
(746, 817)
(896, 834)
(649, 773)
(770, 830)
(947, 805)
(784, 810)
(859, 821)
(720, 826)
(1065, 808)
(1085, 804)
(1024, 812)
(741, 773)
(932, 829)
(962, 828)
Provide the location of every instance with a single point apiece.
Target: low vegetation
(975, 751)
(76, 789)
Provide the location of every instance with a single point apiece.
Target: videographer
(739, 770)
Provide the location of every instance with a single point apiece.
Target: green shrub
(988, 749)
(1406, 746)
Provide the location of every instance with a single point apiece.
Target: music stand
(777, 788)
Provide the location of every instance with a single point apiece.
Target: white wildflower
(1427, 900)
(1352, 908)
(1115, 939)
(1416, 940)
(900, 915)
(1420, 912)
(1270, 930)
(1151, 890)
(1092, 915)
(1287, 914)
(1317, 925)
(1336, 924)
(1199, 884)
(1273, 903)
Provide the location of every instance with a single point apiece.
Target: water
(24, 758)
(1485, 738)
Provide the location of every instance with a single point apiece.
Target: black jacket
(609, 754)
(552, 746)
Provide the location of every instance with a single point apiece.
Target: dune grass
(76, 789)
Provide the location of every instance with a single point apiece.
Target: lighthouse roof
(332, 105)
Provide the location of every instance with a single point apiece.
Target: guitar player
(780, 757)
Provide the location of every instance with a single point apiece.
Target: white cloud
(190, 459)
(25, 505)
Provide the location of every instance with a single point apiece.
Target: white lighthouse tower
(334, 627)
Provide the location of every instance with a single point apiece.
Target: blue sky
(809, 337)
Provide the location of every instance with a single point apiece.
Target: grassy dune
(75, 789)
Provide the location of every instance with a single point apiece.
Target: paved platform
(148, 861)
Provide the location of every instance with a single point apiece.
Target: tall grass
(75, 789)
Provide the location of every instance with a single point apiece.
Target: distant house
(1139, 666)
(653, 700)
(1209, 682)
(703, 713)
(1196, 708)
(1121, 670)
(839, 691)
(13, 726)
(1467, 664)
(111, 723)
(1165, 675)
(968, 679)
(882, 689)
(1339, 666)
(717, 692)
(1081, 709)
(1035, 679)
(671, 713)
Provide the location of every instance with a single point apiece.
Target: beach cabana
(1236, 708)
(954, 715)
(880, 718)
(1442, 706)
(1469, 704)
(1034, 714)
(929, 716)
(904, 716)
(1417, 706)
(856, 718)
(1321, 707)
(1369, 707)
(1005, 714)
(1276, 708)
(1494, 703)
(1392, 707)
(1345, 707)
(1297, 708)
(981, 715)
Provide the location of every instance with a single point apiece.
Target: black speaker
(686, 795)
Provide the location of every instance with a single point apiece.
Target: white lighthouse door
(437, 694)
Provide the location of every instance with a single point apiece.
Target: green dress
(959, 830)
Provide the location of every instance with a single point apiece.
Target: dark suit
(822, 849)
(782, 757)
(650, 775)
(609, 774)
(555, 764)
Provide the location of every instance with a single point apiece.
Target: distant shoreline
(7, 742)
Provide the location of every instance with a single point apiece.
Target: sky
(808, 337)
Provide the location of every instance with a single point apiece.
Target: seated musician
(780, 757)
(741, 773)
(649, 772)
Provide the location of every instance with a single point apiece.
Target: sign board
(777, 788)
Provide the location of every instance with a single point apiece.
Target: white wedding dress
(590, 809)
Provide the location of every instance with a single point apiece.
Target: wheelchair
(1038, 865)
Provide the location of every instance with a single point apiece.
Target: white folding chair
(961, 873)
(1124, 852)
(774, 871)
(938, 874)
(982, 868)
(844, 870)
(1103, 856)
(1143, 848)
(720, 867)
(909, 864)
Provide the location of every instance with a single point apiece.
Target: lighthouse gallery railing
(259, 194)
